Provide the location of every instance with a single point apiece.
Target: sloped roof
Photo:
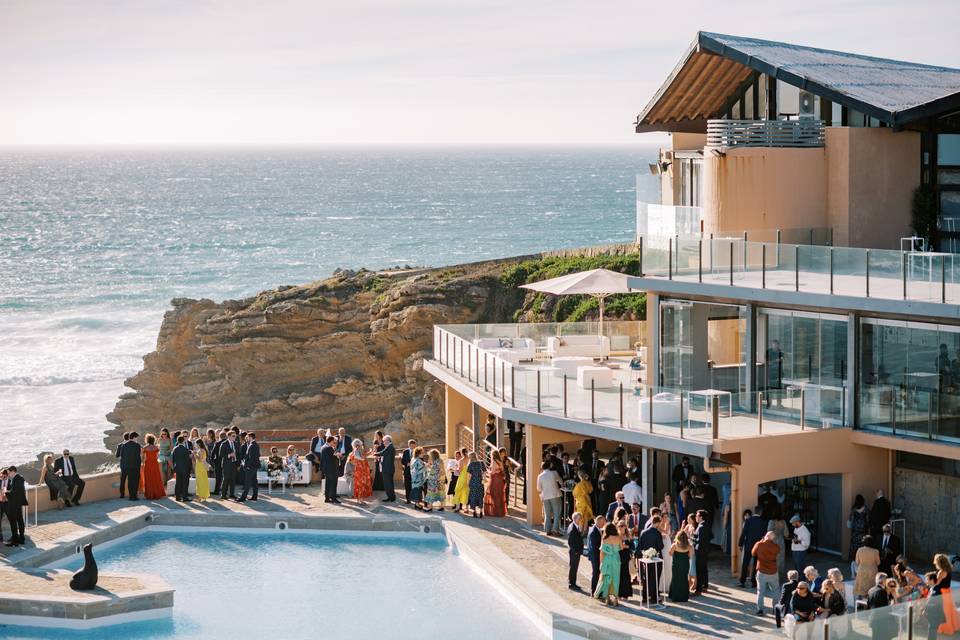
(716, 65)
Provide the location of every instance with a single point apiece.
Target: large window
(804, 351)
(910, 378)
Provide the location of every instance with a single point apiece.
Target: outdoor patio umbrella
(598, 283)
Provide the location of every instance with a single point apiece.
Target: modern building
(793, 341)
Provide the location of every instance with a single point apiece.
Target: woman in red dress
(362, 480)
(494, 503)
(153, 488)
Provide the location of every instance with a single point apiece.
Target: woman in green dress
(681, 554)
(609, 583)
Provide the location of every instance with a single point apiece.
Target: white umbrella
(598, 283)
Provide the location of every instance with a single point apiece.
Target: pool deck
(529, 567)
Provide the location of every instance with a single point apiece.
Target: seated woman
(58, 488)
(291, 464)
(274, 462)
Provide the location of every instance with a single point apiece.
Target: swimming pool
(299, 585)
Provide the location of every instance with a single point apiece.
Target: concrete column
(458, 409)
(536, 438)
(646, 478)
(653, 339)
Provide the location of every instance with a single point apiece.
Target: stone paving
(725, 611)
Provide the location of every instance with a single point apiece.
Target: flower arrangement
(650, 554)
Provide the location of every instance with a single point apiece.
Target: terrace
(516, 372)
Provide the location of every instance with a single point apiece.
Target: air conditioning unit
(807, 104)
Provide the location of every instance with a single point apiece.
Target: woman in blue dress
(475, 498)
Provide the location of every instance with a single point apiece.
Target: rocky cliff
(345, 351)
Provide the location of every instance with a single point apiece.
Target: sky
(196, 72)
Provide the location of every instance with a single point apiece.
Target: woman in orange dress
(951, 623)
(494, 503)
(362, 480)
(153, 488)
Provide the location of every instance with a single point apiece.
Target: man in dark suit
(882, 623)
(880, 514)
(71, 477)
(594, 540)
(229, 461)
(701, 547)
(130, 461)
(182, 465)
(681, 474)
(16, 500)
(3, 505)
(387, 459)
(619, 502)
(344, 448)
(752, 531)
(595, 471)
(405, 459)
(123, 472)
(216, 462)
(330, 467)
(575, 549)
(711, 498)
(890, 548)
(650, 538)
(250, 464)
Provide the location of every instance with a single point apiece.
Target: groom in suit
(130, 461)
(15, 499)
(251, 464)
(229, 459)
(182, 465)
(330, 467)
(387, 459)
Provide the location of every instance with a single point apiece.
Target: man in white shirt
(633, 492)
(548, 484)
(800, 542)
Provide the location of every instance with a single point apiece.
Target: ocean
(95, 242)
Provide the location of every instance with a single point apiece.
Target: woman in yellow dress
(462, 492)
(200, 472)
(581, 497)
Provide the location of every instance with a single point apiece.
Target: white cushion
(521, 348)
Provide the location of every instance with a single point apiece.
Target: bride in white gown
(667, 532)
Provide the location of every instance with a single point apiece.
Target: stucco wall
(764, 188)
(871, 176)
(765, 459)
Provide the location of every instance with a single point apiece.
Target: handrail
(803, 132)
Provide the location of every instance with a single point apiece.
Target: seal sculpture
(86, 578)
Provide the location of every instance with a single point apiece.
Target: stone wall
(926, 499)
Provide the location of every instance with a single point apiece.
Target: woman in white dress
(666, 530)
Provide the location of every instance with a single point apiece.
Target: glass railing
(808, 268)
(914, 615)
(612, 392)
(907, 410)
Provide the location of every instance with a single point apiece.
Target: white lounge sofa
(590, 346)
(666, 408)
(510, 349)
(304, 474)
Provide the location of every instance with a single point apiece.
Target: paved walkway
(725, 611)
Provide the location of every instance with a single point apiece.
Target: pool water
(300, 585)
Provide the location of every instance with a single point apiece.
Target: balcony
(663, 220)
(546, 390)
(805, 132)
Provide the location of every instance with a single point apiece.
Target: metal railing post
(826, 630)
(715, 416)
(903, 271)
(763, 267)
(448, 351)
(731, 264)
(669, 258)
(513, 387)
(760, 412)
(503, 380)
(538, 392)
(811, 237)
(711, 252)
(930, 415)
(650, 406)
(461, 358)
(868, 272)
(681, 415)
(943, 279)
(640, 257)
(744, 251)
(700, 260)
(893, 413)
(621, 404)
(803, 408)
(564, 395)
(494, 369)
(484, 371)
(593, 402)
(910, 620)
(796, 267)
(831, 270)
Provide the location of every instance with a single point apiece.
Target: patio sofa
(590, 346)
(510, 349)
